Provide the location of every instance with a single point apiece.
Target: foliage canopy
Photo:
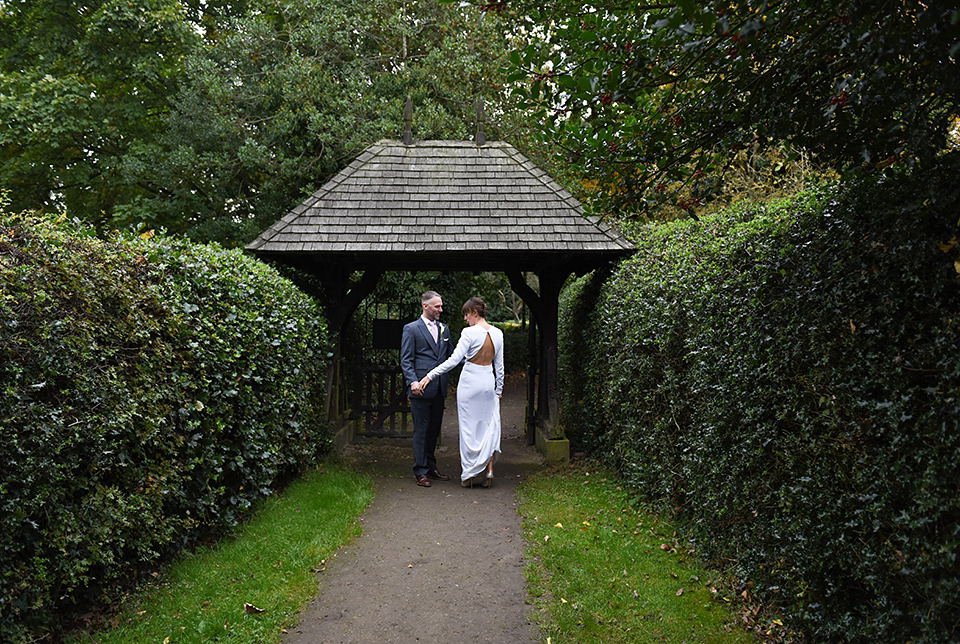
(647, 98)
(215, 119)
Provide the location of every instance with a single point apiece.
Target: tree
(80, 85)
(652, 98)
(213, 119)
(287, 95)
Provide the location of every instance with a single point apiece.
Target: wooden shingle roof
(440, 205)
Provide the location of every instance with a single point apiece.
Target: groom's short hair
(428, 295)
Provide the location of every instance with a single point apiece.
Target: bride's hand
(424, 382)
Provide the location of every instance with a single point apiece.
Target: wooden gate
(379, 389)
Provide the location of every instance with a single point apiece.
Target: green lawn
(601, 569)
(270, 564)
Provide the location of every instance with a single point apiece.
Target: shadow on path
(433, 564)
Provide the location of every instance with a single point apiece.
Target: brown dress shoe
(423, 480)
(437, 476)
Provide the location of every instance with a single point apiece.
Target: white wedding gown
(478, 402)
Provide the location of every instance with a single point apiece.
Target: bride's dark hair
(475, 305)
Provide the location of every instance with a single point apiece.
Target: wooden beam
(340, 302)
(545, 307)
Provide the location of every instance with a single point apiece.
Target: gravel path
(439, 564)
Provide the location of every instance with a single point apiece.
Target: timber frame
(444, 206)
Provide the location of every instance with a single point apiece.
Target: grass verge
(270, 565)
(601, 569)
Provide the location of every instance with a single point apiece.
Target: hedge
(152, 391)
(516, 340)
(786, 379)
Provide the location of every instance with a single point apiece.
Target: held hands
(418, 387)
(423, 384)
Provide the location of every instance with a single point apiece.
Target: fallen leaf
(559, 525)
(945, 247)
(410, 566)
(679, 592)
(250, 609)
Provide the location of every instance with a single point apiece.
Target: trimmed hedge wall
(152, 390)
(786, 378)
(515, 344)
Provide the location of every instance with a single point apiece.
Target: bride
(478, 393)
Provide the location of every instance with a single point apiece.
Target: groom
(425, 343)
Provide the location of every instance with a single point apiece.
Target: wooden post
(545, 309)
(532, 369)
(481, 121)
(408, 122)
(340, 301)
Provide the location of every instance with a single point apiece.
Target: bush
(152, 390)
(786, 378)
(582, 345)
(516, 340)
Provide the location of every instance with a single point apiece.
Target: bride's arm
(463, 346)
(498, 367)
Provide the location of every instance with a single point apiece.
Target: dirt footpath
(439, 564)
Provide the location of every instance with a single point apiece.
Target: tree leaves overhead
(215, 118)
(643, 94)
(79, 84)
(288, 95)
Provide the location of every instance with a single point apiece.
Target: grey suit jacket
(419, 354)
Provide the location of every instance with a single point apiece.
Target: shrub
(582, 344)
(516, 340)
(152, 390)
(786, 378)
